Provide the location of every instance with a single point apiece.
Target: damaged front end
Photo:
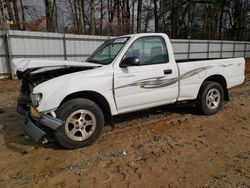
(38, 124)
(33, 77)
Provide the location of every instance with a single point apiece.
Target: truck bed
(193, 73)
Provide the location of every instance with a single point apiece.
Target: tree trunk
(147, 18)
(124, 16)
(81, 16)
(118, 9)
(234, 28)
(49, 16)
(101, 18)
(161, 17)
(16, 12)
(47, 10)
(109, 17)
(76, 15)
(23, 14)
(133, 17)
(55, 16)
(73, 14)
(221, 18)
(173, 23)
(156, 16)
(92, 17)
(127, 17)
(1, 14)
(10, 13)
(189, 31)
(139, 16)
(112, 12)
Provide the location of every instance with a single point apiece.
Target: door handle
(168, 71)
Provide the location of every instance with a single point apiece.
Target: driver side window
(150, 50)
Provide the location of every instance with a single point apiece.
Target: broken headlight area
(35, 99)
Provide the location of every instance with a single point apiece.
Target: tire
(211, 98)
(84, 121)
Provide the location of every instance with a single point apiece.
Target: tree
(10, 13)
(92, 17)
(222, 9)
(139, 8)
(1, 13)
(127, 16)
(199, 19)
(133, 16)
(23, 14)
(16, 12)
(51, 14)
(239, 16)
(156, 15)
(101, 17)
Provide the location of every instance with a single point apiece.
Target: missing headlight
(36, 98)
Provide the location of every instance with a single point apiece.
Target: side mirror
(130, 61)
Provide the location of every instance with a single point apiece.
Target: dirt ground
(170, 146)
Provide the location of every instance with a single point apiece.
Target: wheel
(84, 121)
(210, 98)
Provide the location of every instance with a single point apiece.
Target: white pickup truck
(125, 74)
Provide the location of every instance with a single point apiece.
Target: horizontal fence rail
(44, 45)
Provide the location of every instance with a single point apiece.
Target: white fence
(24, 44)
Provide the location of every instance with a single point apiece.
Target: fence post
(189, 49)
(221, 48)
(8, 55)
(234, 49)
(208, 49)
(245, 50)
(64, 47)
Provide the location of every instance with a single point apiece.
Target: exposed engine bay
(37, 76)
(32, 77)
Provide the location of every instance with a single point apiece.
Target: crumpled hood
(24, 64)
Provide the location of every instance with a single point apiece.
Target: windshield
(107, 52)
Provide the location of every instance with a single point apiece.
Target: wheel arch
(98, 98)
(220, 80)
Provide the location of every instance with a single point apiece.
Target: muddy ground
(170, 146)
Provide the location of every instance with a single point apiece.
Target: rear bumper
(37, 127)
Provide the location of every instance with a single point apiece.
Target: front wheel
(84, 121)
(210, 98)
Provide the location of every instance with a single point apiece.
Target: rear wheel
(84, 121)
(211, 98)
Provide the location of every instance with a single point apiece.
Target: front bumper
(36, 127)
(22, 109)
(35, 133)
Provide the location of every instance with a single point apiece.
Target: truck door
(153, 82)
